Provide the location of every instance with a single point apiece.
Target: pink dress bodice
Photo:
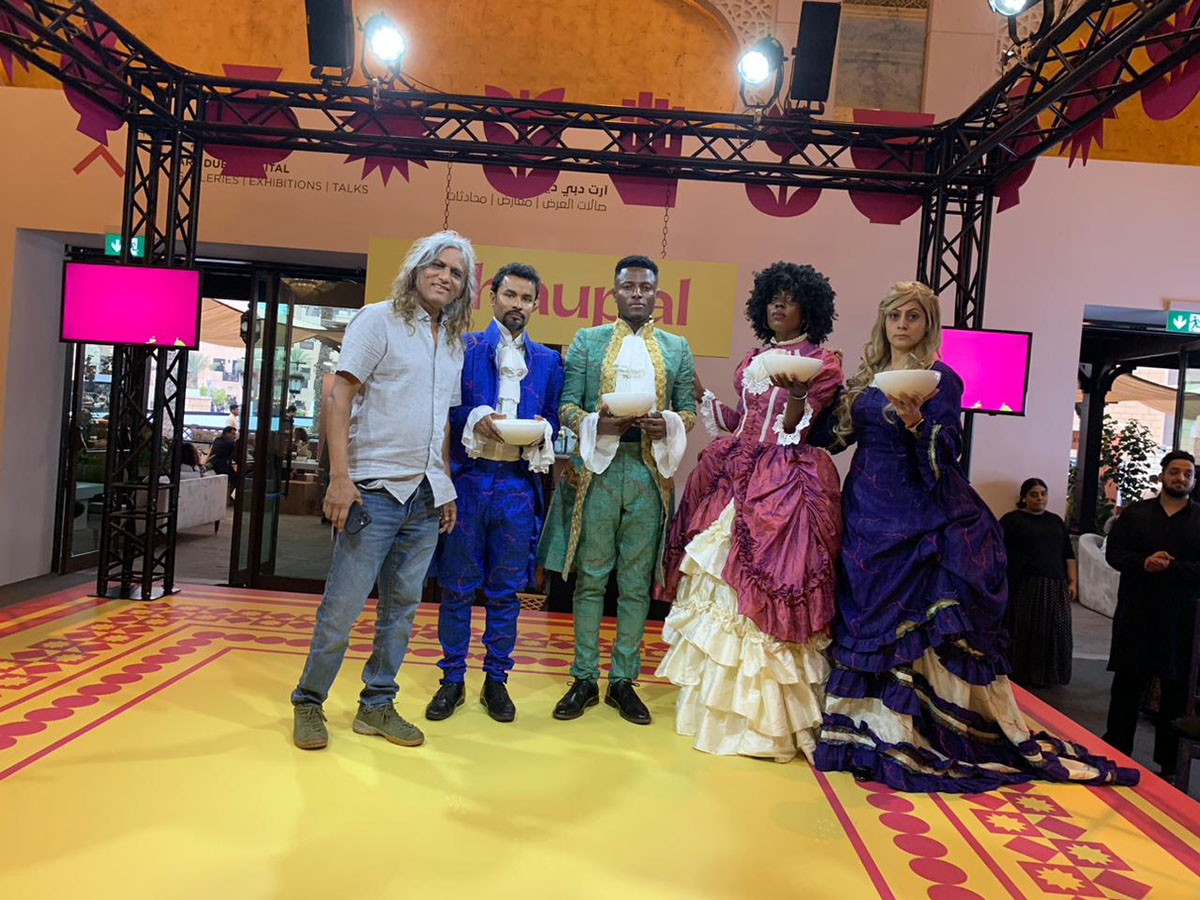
(758, 416)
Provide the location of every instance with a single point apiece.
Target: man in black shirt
(1155, 545)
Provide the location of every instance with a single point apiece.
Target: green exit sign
(1183, 322)
(112, 246)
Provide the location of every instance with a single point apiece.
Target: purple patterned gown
(919, 697)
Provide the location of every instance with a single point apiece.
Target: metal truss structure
(137, 540)
(1094, 57)
(956, 226)
(1055, 90)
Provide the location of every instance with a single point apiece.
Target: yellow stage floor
(145, 753)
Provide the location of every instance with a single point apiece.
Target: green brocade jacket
(590, 372)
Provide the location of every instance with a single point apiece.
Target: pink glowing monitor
(994, 367)
(113, 304)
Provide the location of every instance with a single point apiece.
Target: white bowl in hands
(919, 382)
(520, 432)
(621, 404)
(802, 367)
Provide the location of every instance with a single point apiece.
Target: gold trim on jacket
(608, 381)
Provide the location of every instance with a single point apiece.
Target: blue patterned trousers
(490, 548)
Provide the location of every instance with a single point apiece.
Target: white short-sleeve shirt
(398, 418)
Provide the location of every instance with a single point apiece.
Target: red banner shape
(643, 190)
(95, 121)
(1107, 76)
(389, 124)
(1175, 91)
(248, 162)
(518, 181)
(1008, 189)
(887, 209)
(7, 57)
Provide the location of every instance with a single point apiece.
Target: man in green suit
(612, 504)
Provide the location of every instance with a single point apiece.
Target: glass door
(255, 335)
(1187, 400)
(88, 386)
(285, 543)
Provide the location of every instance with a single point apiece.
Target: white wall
(33, 384)
(960, 55)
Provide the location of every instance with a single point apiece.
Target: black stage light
(816, 43)
(330, 33)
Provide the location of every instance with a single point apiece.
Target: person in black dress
(1041, 585)
(1155, 545)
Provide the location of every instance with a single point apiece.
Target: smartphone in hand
(357, 518)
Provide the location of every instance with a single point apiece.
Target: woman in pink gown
(749, 561)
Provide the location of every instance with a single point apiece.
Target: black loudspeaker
(330, 33)
(816, 44)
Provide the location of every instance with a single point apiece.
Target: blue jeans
(395, 549)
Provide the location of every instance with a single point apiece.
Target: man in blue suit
(501, 507)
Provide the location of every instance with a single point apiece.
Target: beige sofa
(202, 500)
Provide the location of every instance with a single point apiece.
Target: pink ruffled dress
(749, 565)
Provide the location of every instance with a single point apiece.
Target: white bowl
(803, 367)
(620, 403)
(920, 382)
(520, 432)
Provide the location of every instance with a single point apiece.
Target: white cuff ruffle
(668, 452)
(540, 456)
(708, 413)
(596, 450)
(785, 439)
(470, 440)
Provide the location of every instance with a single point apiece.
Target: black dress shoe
(621, 694)
(449, 697)
(496, 701)
(582, 693)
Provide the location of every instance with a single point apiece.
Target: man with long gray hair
(389, 492)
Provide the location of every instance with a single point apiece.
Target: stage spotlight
(760, 62)
(757, 67)
(1009, 7)
(385, 40)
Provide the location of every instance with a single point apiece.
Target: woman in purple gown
(919, 696)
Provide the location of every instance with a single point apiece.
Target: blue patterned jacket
(540, 390)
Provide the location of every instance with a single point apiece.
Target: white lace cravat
(635, 369)
(511, 366)
(511, 369)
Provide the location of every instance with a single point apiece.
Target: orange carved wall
(601, 52)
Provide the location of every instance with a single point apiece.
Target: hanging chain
(666, 221)
(446, 212)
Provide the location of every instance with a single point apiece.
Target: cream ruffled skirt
(741, 691)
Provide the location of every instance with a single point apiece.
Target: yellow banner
(695, 299)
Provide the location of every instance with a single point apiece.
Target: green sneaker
(308, 727)
(386, 722)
